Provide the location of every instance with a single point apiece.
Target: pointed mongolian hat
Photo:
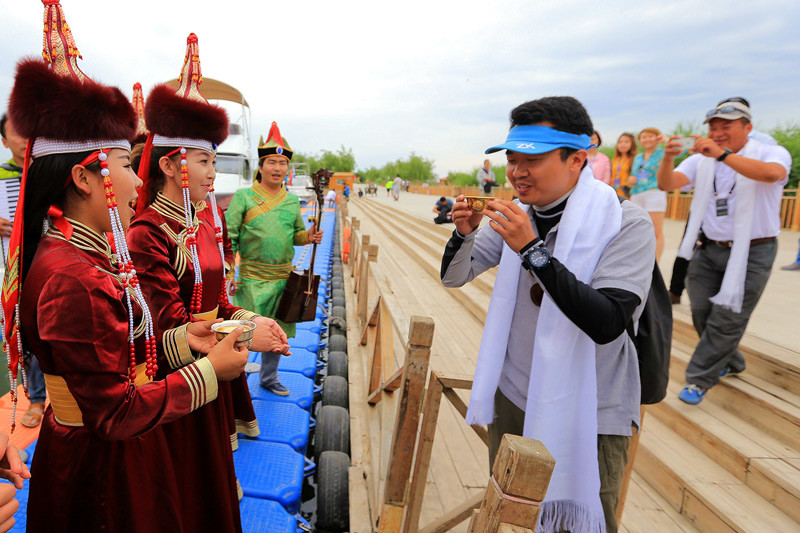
(61, 111)
(181, 119)
(275, 145)
(138, 105)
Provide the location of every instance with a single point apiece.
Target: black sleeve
(602, 314)
(450, 250)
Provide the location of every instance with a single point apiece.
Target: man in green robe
(264, 226)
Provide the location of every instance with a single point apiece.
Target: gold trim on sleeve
(176, 347)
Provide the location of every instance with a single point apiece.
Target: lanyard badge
(722, 207)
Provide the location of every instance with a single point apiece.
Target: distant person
(681, 266)
(621, 164)
(598, 161)
(793, 266)
(645, 192)
(486, 177)
(443, 209)
(735, 215)
(10, 175)
(330, 198)
(346, 193)
(397, 184)
(389, 185)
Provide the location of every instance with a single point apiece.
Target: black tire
(338, 293)
(333, 503)
(337, 284)
(338, 300)
(334, 391)
(337, 364)
(339, 311)
(337, 343)
(335, 329)
(332, 432)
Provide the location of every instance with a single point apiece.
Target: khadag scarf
(731, 293)
(561, 409)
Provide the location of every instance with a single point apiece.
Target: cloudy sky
(439, 77)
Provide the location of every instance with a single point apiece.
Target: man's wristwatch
(725, 154)
(535, 257)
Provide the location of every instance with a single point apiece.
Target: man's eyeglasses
(725, 110)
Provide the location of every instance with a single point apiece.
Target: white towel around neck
(731, 292)
(561, 409)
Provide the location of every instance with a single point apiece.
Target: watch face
(539, 258)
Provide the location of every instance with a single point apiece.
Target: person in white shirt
(735, 219)
(486, 177)
(330, 198)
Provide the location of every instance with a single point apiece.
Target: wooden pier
(731, 464)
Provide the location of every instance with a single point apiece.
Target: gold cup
(478, 203)
(221, 330)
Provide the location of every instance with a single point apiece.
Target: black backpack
(653, 341)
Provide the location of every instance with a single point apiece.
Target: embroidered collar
(262, 191)
(85, 238)
(169, 209)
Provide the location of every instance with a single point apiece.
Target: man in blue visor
(556, 363)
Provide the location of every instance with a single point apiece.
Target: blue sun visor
(541, 139)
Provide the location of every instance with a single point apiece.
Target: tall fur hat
(185, 113)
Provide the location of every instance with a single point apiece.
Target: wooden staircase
(731, 463)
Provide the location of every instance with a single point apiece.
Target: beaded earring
(127, 275)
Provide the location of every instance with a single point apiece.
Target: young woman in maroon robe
(102, 460)
(177, 239)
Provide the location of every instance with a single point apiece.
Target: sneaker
(692, 394)
(252, 368)
(277, 388)
(730, 372)
(793, 266)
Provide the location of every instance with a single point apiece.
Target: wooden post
(355, 223)
(522, 469)
(404, 437)
(382, 355)
(796, 212)
(433, 399)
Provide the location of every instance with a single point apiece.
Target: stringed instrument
(299, 300)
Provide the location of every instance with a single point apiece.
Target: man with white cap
(575, 266)
(730, 237)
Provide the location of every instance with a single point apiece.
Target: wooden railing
(677, 202)
(401, 402)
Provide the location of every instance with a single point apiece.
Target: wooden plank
(430, 417)
(387, 337)
(382, 356)
(373, 321)
(391, 518)
(394, 382)
(404, 436)
(461, 407)
(456, 381)
(454, 517)
(360, 521)
(508, 528)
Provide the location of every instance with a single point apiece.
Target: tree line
(416, 168)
